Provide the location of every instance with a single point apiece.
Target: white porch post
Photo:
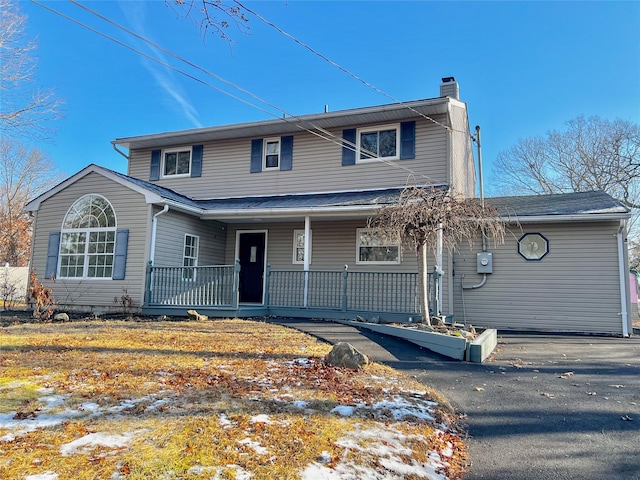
(307, 256)
(439, 270)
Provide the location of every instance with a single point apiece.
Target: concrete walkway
(543, 407)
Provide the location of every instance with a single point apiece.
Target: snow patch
(344, 410)
(86, 443)
(42, 476)
(262, 418)
(255, 446)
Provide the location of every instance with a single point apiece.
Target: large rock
(193, 315)
(61, 317)
(344, 354)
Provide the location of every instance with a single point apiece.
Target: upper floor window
(372, 248)
(378, 142)
(388, 142)
(271, 154)
(88, 237)
(176, 162)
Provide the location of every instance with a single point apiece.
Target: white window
(298, 246)
(88, 239)
(190, 256)
(378, 142)
(371, 248)
(271, 154)
(176, 162)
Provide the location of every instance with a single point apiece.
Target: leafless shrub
(423, 214)
(41, 297)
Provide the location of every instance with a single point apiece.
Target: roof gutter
(332, 210)
(221, 214)
(574, 217)
(184, 208)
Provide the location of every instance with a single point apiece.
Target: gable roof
(287, 125)
(531, 208)
(151, 197)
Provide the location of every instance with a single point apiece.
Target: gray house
(271, 217)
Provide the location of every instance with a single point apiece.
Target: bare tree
(422, 215)
(24, 173)
(634, 254)
(25, 107)
(215, 16)
(591, 154)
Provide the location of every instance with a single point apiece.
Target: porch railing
(345, 290)
(215, 286)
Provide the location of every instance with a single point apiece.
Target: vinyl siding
(171, 229)
(333, 246)
(574, 288)
(132, 213)
(317, 166)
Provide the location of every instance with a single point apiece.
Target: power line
(217, 77)
(340, 67)
(324, 134)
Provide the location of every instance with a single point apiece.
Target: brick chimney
(449, 88)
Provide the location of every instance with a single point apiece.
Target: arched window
(88, 239)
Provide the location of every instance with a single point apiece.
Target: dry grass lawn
(225, 399)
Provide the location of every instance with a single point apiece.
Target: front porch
(214, 291)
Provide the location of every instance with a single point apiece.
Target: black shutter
(408, 140)
(286, 153)
(120, 255)
(349, 147)
(154, 174)
(52, 255)
(196, 161)
(256, 155)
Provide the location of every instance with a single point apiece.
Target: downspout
(115, 147)
(624, 278)
(154, 227)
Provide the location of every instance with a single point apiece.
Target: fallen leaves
(218, 399)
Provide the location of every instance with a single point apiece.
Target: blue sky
(523, 68)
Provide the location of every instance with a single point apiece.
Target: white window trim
(195, 258)
(172, 150)
(87, 232)
(264, 154)
(377, 128)
(295, 247)
(363, 262)
(86, 254)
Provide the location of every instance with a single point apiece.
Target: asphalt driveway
(542, 407)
